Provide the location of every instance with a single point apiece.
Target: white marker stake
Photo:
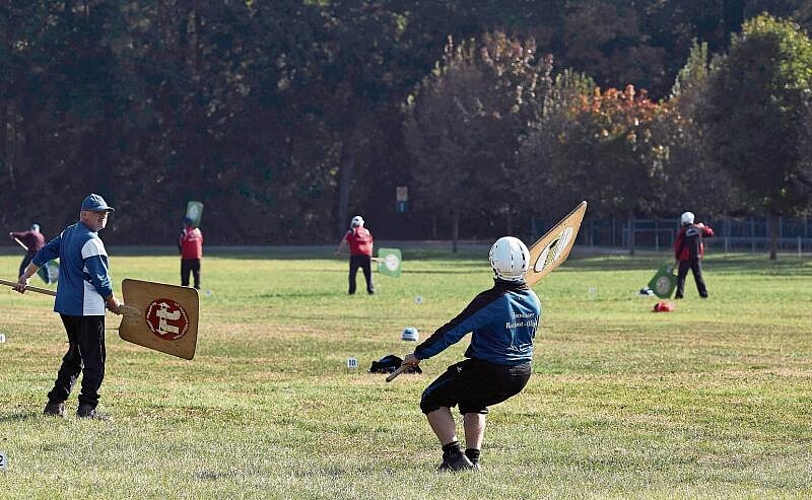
(2, 338)
(3, 461)
(352, 363)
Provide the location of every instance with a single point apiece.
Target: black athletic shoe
(55, 409)
(87, 411)
(455, 463)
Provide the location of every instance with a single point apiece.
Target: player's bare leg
(443, 425)
(474, 424)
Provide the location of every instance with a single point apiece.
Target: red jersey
(191, 243)
(34, 240)
(688, 244)
(360, 241)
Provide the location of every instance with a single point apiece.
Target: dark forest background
(287, 117)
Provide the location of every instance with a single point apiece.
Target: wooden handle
(29, 287)
(21, 244)
(401, 369)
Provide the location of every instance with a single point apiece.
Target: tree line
(287, 117)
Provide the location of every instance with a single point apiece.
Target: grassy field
(713, 400)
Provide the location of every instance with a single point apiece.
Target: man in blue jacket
(503, 323)
(84, 290)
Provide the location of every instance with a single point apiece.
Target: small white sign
(3, 460)
(418, 300)
(352, 363)
(2, 338)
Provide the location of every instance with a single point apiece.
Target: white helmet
(509, 258)
(686, 218)
(357, 221)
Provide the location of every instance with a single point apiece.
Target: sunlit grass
(713, 400)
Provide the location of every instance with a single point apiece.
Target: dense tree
(756, 112)
(464, 123)
(284, 116)
(602, 147)
(693, 180)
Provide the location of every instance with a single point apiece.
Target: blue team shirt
(502, 321)
(84, 279)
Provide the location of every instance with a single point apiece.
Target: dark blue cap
(96, 203)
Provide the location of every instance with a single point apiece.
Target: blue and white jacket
(503, 322)
(84, 280)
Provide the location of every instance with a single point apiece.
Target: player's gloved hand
(410, 360)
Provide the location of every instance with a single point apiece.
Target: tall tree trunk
(345, 173)
(631, 232)
(5, 144)
(455, 231)
(732, 17)
(773, 237)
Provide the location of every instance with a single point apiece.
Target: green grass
(713, 400)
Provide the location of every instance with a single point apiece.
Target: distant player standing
(33, 240)
(688, 250)
(361, 245)
(503, 323)
(190, 246)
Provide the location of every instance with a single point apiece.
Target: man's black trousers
(86, 355)
(365, 263)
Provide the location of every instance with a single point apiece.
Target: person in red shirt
(33, 241)
(688, 250)
(190, 246)
(360, 241)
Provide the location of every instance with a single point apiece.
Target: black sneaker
(55, 409)
(455, 463)
(87, 411)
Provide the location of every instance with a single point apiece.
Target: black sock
(472, 454)
(452, 449)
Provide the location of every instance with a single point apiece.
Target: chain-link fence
(750, 234)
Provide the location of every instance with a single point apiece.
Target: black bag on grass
(390, 363)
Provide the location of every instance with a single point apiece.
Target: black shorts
(474, 385)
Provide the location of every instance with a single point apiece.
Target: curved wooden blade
(552, 249)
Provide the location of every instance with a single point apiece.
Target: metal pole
(752, 235)
(656, 236)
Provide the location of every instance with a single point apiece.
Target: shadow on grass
(19, 417)
(298, 293)
(733, 264)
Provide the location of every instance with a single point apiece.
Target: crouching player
(503, 323)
